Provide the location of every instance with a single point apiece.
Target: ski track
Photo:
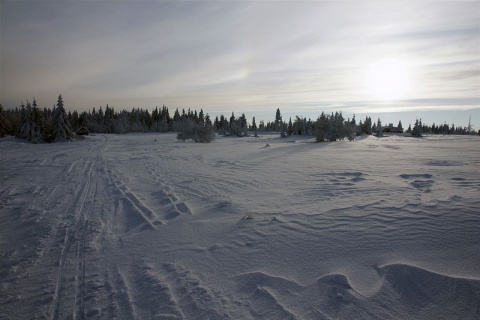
(98, 241)
(74, 245)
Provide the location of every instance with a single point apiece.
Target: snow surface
(141, 226)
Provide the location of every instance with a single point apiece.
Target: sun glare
(387, 79)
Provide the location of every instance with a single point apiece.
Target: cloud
(227, 55)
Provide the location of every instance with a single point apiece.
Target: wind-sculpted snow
(141, 226)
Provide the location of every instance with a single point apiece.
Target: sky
(397, 60)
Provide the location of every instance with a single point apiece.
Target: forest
(39, 125)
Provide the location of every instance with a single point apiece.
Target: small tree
(185, 129)
(188, 129)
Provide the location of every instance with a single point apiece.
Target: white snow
(141, 226)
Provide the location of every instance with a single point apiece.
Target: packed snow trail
(68, 186)
(141, 226)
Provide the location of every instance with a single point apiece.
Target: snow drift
(141, 226)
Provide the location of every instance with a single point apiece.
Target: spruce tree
(290, 127)
(32, 128)
(3, 123)
(278, 120)
(62, 131)
(38, 125)
(201, 118)
(24, 129)
(254, 125)
(321, 128)
(417, 129)
(379, 128)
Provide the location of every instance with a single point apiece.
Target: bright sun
(387, 79)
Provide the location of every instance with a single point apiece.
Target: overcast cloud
(239, 56)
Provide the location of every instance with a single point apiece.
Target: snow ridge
(141, 226)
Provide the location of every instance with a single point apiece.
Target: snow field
(141, 226)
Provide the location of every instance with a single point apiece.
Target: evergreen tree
(298, 126)
(201, 118)
(379, 128)
(38, 125)
(290, 127)
(445, 129)
(208, 121)
(367, 126)
(283, 133)
(32, 128)
(321, 128)
(62, 131)
(4, 123)
(176, 117)
(254, 125)
(374, 128)
(417, 129)
(14, 120)
(189, 129)
(350, 129)
(278, 120)
(241, 126)
(24, 128)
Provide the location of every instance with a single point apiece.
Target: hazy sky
(402, 59)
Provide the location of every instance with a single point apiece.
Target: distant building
(82, 132)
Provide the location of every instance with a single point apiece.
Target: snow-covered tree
(254, 125)
(283, 130)
(350, 129)
(374, 128)
(24, 129)
(379, 128)
(38, 125)
(367, 126)
(321, 128)
(201, 117)
(417, 129)
(188, 129)
(4, 125)
(278, 120)
(400, 127)
(338, 127)
(32, 127)
(290, 127)
(62, 131)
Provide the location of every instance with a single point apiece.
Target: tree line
(50, 125)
